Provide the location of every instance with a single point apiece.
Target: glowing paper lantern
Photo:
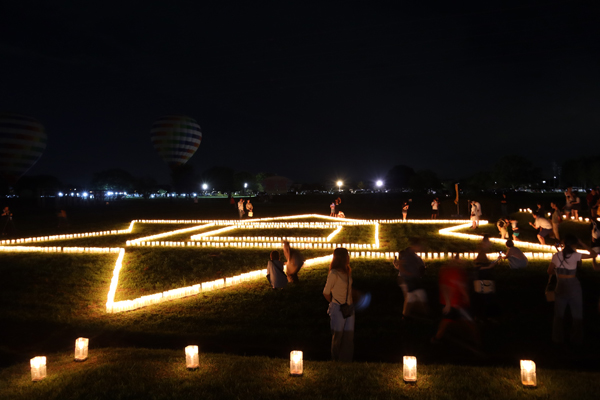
(38, 368)
(528, 377)
(191, 357)
(81, 349)
(409, 369)
(296, 367)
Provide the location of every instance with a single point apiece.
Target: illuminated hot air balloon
(176, 138)
(22, 142)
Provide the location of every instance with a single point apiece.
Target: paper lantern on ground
(409, 370)
(81, 349)
(191, 357)
(296, 367)
(38, 368)
(528, 376)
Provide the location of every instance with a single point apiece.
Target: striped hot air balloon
(22, 142)
(176, 138)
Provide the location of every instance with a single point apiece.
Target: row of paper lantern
(236, 224)
(423, 221)
(144, 301)
(268, 245)
(580, 219)
(176, 232)
(450, 232)
(127, 305)
(37, 249)
(62, 237)
(263, 239)
(192, 362)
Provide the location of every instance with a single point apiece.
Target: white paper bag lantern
(296, 367)
(81, 349)
(191, 357)
(409, 370)
(528, 376)
(38, 368)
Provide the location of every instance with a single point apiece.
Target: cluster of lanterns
(38, 364)
(572, 218)
(192, 362)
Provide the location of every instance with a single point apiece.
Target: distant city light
(85, 195)
(379, 183)
(109, 193)
(245, 185)
(204, 186)
(60, 194)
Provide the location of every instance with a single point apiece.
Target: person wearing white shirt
(475, 213)
(544, 226)
(568, 288)
(435, 205)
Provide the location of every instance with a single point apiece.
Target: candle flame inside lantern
(81, 349)
(528, 375)
(191, 357)
(296, 367)
(409, 370)
(38, 368)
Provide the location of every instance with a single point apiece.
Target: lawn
(48, 300)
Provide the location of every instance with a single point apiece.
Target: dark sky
(314, 91)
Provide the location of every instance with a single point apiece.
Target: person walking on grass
(295, 261)
(435, 205)
(543, 226)
(568, 288)
(475, 213)
(484, 283)
(404, 211)
(454, 297)
(338, 292)
(411, 269)
(249, 208)
(7, 222)
(556, 219)
(240, 205)
(569, 200)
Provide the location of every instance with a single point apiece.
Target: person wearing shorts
(515, 229)
(544, 227)
(435, 212)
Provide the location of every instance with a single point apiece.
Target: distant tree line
(509, 172)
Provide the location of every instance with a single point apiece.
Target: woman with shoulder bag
(568, 288)
(338, 292)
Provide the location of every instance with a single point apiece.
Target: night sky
(314, 92)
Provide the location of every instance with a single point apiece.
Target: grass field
(48, 300)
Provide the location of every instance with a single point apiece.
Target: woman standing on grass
(404, 211)
(568, 288)
(338, 292)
